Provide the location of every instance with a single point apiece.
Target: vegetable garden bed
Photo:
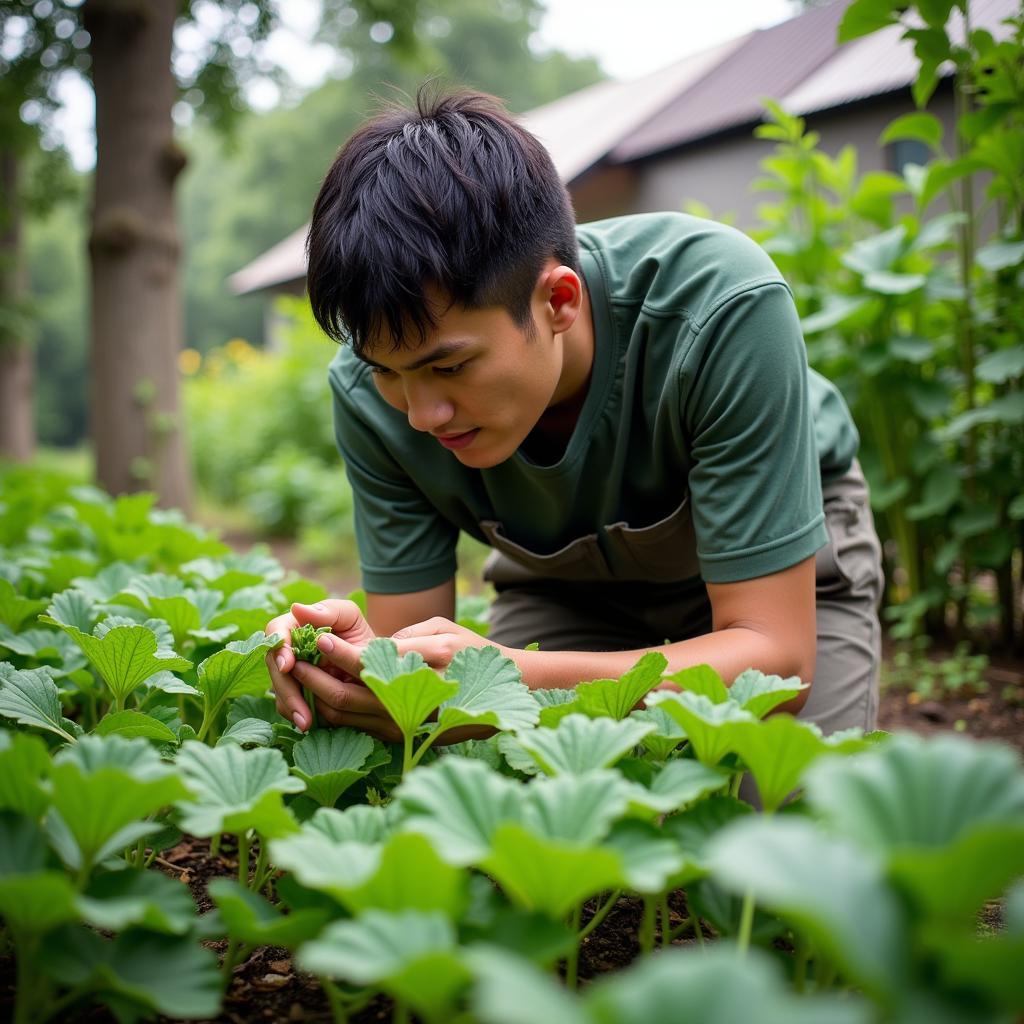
(329, 875)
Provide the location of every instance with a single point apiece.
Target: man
(623, 411)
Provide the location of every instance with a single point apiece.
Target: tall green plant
(919, 324)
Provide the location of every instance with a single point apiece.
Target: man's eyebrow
(443, 351)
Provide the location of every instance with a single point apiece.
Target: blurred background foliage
(909, 287)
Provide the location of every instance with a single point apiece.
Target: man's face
(478, 383)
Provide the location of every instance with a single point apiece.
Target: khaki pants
(601, 615)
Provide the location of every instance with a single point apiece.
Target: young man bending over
(622, 410)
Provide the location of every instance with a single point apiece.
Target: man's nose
(428, 409)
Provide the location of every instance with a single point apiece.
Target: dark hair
(453, 195)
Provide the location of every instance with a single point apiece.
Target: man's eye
(380, 371)
(450, 371)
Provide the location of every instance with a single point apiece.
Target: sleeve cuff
(765, 559)
(405, 579)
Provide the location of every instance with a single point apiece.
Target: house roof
(796, 62)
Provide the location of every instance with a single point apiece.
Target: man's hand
(336, 682)
(438, 640)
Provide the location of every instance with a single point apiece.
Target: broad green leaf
(248, 732)
(679, 783)
(913, 793)
(121, 899)
(887, 282)
(511, 990)
(72, 608)
(236, 789)
(410, 876)
(407, 688)
(1000, 255)
(412, 956)
(15, 608)
(458, 804)
(876, 252)
(24, 765)
(758, 693)
(702, 679)
(134, 724)
(940, 491)
(649, 859)
(554, 705)
(331, 760)
(830, 889)
(548, 875)
(318, 861)
(262, 707)
(921, 126)
(616, 698)
(238, 670)
(1003, 365)
(693, 829)
(99, 810)
(36, 902)
(134, 757)
(31, 697)
(164, 974)
(953, 882)
(777, 752)
(360, 823)
(668, 732)
(714, 986)
(125, 656)
(22, 845)
(835, 311)
(911, 348)
(581, 744)
(490, 692)
(863, 17)
(575, 808)
(251, 919)
(708, 726)
(380, 659)
(990, 965)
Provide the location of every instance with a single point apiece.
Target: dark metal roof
(769, 63)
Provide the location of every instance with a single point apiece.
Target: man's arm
(388, 613)
(766, 623)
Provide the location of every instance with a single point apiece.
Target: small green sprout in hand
(305, 649)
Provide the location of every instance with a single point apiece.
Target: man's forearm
(729, 652)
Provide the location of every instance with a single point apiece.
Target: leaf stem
(600, 914)
(746, 924)
(572, 961)
(262, 872)
(646, 934)
(243, 858)
(334, 1000)
(666, 928)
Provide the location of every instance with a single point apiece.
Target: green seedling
(305, 649)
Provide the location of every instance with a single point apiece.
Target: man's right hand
(346, 622)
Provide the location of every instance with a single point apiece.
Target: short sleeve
(404, 544)
(755, 482)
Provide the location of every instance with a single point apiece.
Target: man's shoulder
(347, 373)
(674, 261)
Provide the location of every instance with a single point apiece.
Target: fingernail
(280, 662)
(324, 642)
(299, 721)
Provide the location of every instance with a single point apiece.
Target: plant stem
(746, 923)
(803, 955)
(215, 845)
(243, 858)
(424, 747)
(261, 873)
(646, 935)
(600, 914)
(401, 1014)
(666, 928)
(572, 961)
(24, 955)
(334, 1000)
(734, 788)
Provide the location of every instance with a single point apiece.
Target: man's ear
(561, 291)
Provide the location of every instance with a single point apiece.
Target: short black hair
(452, 194)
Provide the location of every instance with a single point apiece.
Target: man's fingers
(429, 627)
(344, 617)
(352, 698)
(339, 653)
(375, 725)
(287, 692)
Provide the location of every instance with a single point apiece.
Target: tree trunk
(134, 248)
(17, 368)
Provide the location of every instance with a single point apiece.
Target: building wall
(719, 172)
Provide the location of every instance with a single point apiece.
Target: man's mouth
(455, 441)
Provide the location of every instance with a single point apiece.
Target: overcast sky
(655, 33)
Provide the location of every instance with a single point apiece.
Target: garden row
(134, 695)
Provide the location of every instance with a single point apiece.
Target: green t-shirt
(700, 448)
